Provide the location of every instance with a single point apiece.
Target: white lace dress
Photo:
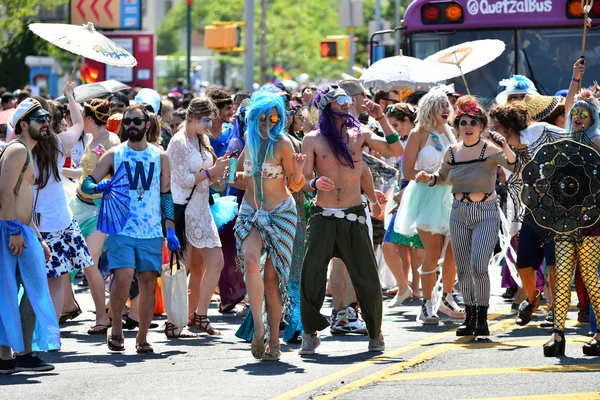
(186, 161)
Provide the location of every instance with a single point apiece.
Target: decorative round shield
(561, 186)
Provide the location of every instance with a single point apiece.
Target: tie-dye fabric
(143, 170)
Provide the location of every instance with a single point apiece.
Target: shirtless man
(21, 253)
(337, 227)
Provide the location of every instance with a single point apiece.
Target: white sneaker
(400, 298)
(377, 344)
(339, 319)
(347, 320)
(427, 315)
(309, 343)
(449, 307)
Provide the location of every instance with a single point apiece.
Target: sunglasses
(40, 120)
(135, 121)
(343, 99)
(272, 119)
(436, 140)
(206, 121)
(473, 122)
(117, 105)
(582, 113)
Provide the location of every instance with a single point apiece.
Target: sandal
(98, 329)
(143, 348)
(273, 353)
(184, 333)
(201, 322)
(70, 315)
(131, 324)
(112, 339)
(257, 348)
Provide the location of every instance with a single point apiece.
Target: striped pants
(474, 229)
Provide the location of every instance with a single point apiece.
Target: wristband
(575, 79)
(207, 174)
(14, 227)
(393, 138)
(313, 183)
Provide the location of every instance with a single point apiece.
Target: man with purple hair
(337, 227)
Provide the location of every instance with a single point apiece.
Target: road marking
(493, 371)
(386, 357)
(565, 396)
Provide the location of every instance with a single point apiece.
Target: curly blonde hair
(430, 106)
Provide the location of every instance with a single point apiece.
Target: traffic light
(223, 36)
(329, 49)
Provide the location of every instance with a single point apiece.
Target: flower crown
(468, 108)
(591, 95)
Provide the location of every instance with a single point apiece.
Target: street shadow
(24, 378)
(112, 358)
(349, 359)
(267, 368)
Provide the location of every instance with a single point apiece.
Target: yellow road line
(564, 396)
(493, 371)
(386, 357)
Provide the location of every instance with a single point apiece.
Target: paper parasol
(461, 59)
(561, 186)
(114, 209)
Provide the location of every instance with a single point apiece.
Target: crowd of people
(275, 200)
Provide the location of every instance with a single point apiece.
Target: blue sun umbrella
(114, 209)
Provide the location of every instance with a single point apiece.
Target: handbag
(180, 222)
(175, 292)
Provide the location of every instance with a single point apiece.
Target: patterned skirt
(277, 229)
(68, 249)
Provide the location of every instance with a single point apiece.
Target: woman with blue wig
(583, 251)
(267, 219)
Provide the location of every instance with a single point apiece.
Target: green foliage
(17, 42)
(294, 32)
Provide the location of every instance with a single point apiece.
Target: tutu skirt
(425, 208)
(224, 210)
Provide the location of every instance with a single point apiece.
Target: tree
(17, 41)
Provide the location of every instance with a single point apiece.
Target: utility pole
(263, 41)
(351, 29)
(249, 44)
(397, 24)
(189, 44)
(377, 15)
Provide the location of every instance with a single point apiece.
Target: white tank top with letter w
(143, 169)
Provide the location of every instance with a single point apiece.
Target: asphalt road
(419, 362)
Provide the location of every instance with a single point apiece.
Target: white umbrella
(461, 59)
(396, 73)
(85, 41)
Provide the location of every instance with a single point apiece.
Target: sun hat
(518, 84)
(541, 106)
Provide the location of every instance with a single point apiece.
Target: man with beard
(137, 248)
(23, 257)
(337, 227)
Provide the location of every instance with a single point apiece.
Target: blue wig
(259, 145)
(592, 131)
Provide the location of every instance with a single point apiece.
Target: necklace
(472, 145)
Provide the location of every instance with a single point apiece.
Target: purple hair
(327, 127)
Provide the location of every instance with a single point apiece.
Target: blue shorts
(139, 254)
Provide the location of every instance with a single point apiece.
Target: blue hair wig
(261, 104)
(592, 131)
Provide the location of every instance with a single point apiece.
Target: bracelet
(393, 138)
(296, 187)
(14, 227)
(207, 174)
(434, 181)
(313, 183)
(575, 79)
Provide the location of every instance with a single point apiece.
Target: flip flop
(143, 348)
(98, 329)
(111, 339)
(70, 315)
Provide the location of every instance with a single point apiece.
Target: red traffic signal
(329, 49)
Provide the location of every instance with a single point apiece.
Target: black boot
(468, 326)
(592, 348)
(552, 348)
(481, 327)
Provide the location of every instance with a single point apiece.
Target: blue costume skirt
(425, 208)
(31, 267)
(394, 237)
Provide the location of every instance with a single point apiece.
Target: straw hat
(541, 106)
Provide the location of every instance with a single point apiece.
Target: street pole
(189, 44)
(377, 15)
(249, 45)
(397, 24)
(352, 55)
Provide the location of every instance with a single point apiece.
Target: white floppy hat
(518, 84)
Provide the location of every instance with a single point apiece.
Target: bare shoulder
(113, 139)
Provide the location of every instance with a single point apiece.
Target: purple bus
(543, 39)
